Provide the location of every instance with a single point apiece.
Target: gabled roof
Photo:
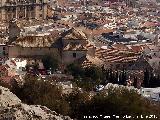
(74, 34)
(35, 41)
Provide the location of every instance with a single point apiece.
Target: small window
(40, 15)
(74, 55)
(4, 48)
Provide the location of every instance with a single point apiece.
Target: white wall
(151, 93)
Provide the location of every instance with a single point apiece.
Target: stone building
(68, 46)
(73, 46)
(23, 9)
(32, 47)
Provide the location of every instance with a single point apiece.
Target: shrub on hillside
(41, 92)
(117, 101)
(114, 101)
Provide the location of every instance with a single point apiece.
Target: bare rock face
(11, 108)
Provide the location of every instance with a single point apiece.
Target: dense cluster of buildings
(120, 34)
(23, 9)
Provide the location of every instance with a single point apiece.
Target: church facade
(69, 47)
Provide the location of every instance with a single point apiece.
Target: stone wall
(68, 57)
(17, 51)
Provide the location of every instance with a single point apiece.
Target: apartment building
(23, 9)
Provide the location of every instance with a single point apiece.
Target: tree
(94, 73)
(135, 82)
(39, 92)
(50, 62)
(118, 101)
(86, 83)
(146, 78)
(76, 98)
(75, 70)
(113, 101)
(123, 77)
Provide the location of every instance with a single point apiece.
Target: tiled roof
(35, 41)
(149, 24)
(75, 34)
(120, 47)
(113, 55)
(136, 49)
(86, 63)
(74, 47)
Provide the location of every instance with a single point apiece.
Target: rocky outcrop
(11, 108)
